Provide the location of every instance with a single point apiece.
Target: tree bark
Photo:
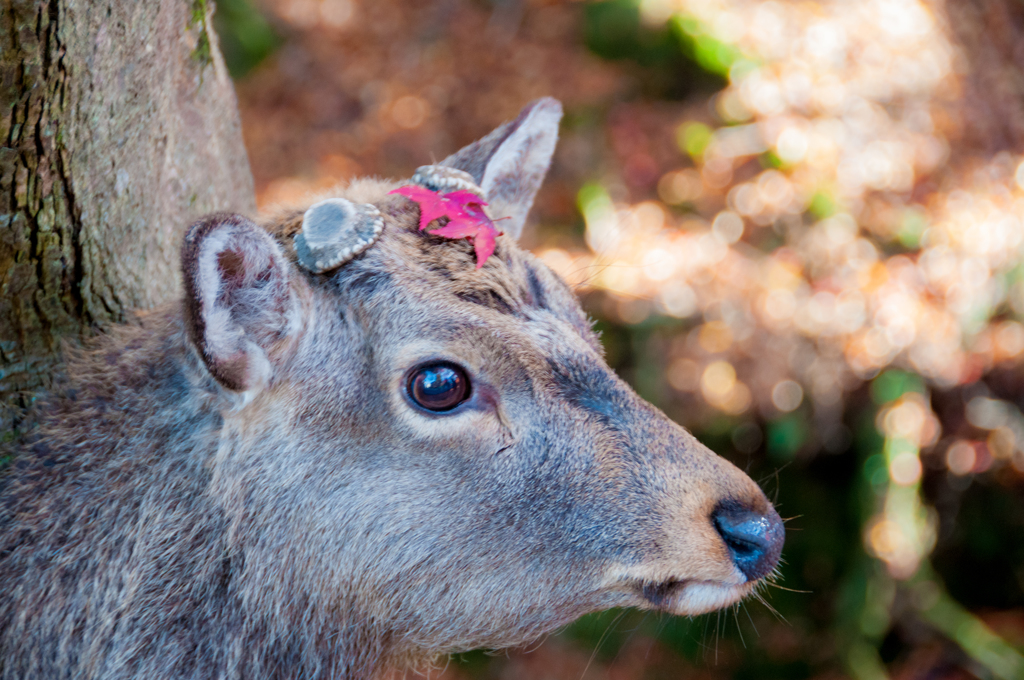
(119, 127)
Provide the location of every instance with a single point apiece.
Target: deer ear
(510, 163)
(239, 302)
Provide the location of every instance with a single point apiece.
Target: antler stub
(334, 231)
(445, 180)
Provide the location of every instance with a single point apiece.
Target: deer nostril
(754, 539)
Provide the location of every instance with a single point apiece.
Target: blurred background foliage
(800, 228)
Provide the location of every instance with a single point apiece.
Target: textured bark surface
(119, 127)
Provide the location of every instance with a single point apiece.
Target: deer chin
(689, 598)
(649, 588)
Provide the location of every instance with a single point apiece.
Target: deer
(356, 445)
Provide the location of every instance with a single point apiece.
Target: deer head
(439, 451)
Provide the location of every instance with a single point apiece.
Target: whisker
(600, 642)
(704, 644)
(535, 645)
(653, 638)
(788, 590)
(770, 608)
(736, 617)
(718, 633)
(596, 268)
(632, 633)
(747, 612)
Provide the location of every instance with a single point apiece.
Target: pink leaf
(483, 244)
(432, 204)
(463, 198)
(465, 213)
(460, 225)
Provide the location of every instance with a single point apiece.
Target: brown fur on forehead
(448, 265)
(444, 265)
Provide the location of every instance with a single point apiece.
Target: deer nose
(754, 539)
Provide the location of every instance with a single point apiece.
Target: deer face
(441, 448)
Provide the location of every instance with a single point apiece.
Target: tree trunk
(119, 127)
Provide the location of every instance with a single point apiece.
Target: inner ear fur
(239, 300)
(511, 162)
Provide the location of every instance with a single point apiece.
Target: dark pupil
(440, 387)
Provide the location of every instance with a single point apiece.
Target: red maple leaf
(465, 213)
(432, 204)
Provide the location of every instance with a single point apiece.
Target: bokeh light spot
(409, 112)
(961, 458)
(787, 395)
(905, 469)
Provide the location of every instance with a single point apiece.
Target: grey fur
(239, 487)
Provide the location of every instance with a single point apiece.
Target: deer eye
(439, 387)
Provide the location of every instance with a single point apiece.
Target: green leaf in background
(246, 38)
(693, 138)
(711, 54)
(613, 30)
